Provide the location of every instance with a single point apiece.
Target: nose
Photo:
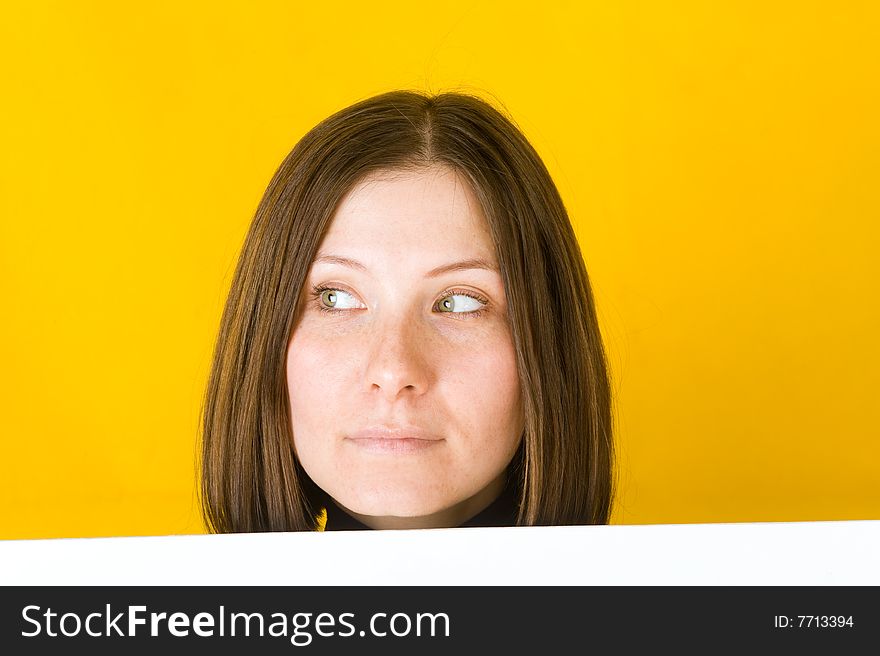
(398, 358)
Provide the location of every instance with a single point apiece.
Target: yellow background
(720, 162)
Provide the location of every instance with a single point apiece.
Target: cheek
(482, 383)
(314, 379)
(488, 371)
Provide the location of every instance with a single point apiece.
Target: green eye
(331, 299)
(459, 303)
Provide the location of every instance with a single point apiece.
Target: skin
(391, 352)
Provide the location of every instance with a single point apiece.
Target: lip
(401, 440)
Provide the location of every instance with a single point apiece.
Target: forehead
(421, 211)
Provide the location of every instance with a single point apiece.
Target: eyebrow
(463, 265)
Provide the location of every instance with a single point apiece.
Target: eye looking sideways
(460, 302)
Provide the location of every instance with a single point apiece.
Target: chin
(393, 503)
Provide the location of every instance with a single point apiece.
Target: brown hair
(251, 479)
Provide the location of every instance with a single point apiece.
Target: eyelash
(473, 314)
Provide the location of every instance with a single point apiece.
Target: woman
(410, 339)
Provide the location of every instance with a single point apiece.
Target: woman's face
(404, 394)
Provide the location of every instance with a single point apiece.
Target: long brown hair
(251, 479)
